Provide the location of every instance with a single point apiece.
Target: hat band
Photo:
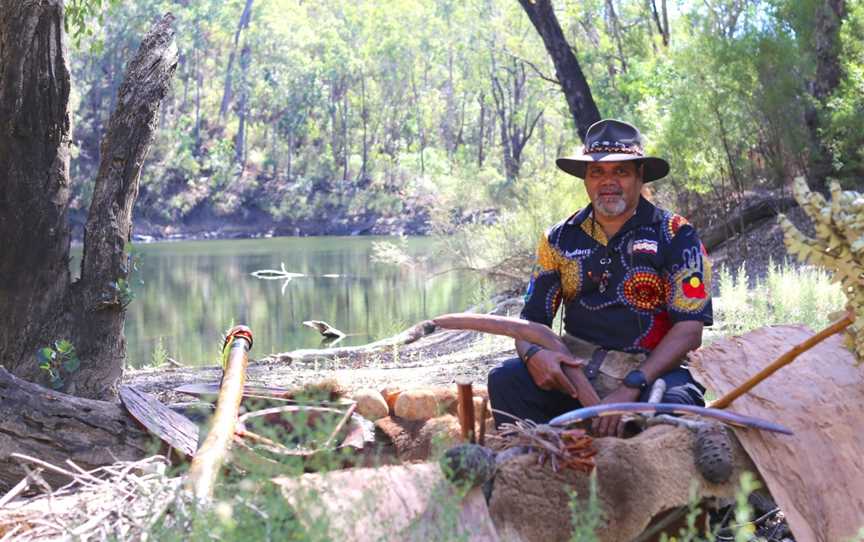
(636, 151)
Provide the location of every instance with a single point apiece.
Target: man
(635, 283)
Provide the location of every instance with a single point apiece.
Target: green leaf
(45, 355)
(63, 346)
(72, 364)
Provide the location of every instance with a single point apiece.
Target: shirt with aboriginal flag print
(623, 293)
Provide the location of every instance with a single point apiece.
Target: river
(186, 294)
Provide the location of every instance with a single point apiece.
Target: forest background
(400, 116)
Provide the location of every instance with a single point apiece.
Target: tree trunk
(662, 21)
(241, 25)
(55, 427)
(34, 179)
(38, 305)
(569, 73)
(240, 139)
(826, 35)
(482, 130)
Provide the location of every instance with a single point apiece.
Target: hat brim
(655, 168)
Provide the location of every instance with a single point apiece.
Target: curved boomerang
(616, 409)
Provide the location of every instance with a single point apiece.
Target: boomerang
(616, 409)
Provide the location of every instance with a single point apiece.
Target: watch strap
(636, 380)
(533, 349)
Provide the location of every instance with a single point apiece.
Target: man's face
(613, 187)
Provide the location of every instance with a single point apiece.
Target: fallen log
(54, 427)
(743, 219)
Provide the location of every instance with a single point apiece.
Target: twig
(340, 425)
(43, 464)
(14, 492)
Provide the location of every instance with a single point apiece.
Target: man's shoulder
(671, 224)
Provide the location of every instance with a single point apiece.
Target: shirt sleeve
(688, 271)
(544, 289)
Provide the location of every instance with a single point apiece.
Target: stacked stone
(838, 246)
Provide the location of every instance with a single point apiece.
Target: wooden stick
(484, 408)
(465, 395)
(208, 460)
(340, 425)
(785, 359)
(15, 491)
(525, 331)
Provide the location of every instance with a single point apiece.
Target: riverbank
(416, 220)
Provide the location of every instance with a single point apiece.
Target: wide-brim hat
(613, 141)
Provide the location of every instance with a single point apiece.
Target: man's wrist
(636, 380)
(529, 353)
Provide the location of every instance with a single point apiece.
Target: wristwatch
(533, 349)
(636, 380)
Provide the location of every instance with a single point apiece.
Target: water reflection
(193, 291)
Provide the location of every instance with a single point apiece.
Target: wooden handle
(465, 396)
(783, 360)
(208, 460)
(587, 394)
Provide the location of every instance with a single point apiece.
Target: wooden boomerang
(616, 409)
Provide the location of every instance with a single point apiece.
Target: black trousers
(512, 390)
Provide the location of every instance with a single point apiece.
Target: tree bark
(240, 139)
(826, 47)
(34, 179)
(55, 427)
(243, 24)
(38, 304)
(569, 73)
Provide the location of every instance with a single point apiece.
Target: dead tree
(55, 427)
(39, 303)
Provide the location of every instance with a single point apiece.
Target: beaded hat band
(613, 141)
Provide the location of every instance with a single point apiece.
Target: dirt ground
(438, 359)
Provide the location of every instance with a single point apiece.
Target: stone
(371, 404)
(415, 405)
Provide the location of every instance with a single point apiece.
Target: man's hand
(609, 426)
(545, 369)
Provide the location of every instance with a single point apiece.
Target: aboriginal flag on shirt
(623, 293)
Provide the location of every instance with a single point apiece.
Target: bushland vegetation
(295, 112)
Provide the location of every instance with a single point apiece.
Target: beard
(611, 208)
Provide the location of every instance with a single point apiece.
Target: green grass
(787, 295)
